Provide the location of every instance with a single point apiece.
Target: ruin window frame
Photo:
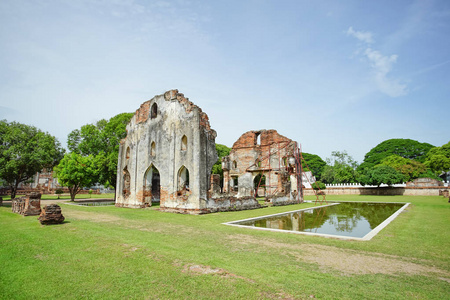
(185, 184)
(154, 111)
(258, 138)
(127, 154)
(153, 149)
(184, 142)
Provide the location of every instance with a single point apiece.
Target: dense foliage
(340, 168)
(102, 142)
(405, 148)
(222, 151)
(24, 151)
(313, 163)
(381, 174)
(438, 159)
(318, 185)
(410, 168)
(76, 171)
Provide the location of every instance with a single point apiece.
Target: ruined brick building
(167, 155)
(169, 152)
(263, 163)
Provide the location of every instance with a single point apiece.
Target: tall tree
(24, 151)
(405, 148)
(102, 142)
(315, 163)
(76, 171)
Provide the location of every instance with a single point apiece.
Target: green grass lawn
(117, 253)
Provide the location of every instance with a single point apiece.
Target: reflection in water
(347, 219)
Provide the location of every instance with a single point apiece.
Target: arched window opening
(234, 164)
(258, 139)
(154, 111)
(184, 143)
(128, 153)
(259, 184)
(126, 183)
(152, 185)
(284, 161)
(153, 149)
(183, 179)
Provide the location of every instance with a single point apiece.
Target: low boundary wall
(388, 191)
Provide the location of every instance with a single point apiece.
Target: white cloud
(381, 65)
(363, 36)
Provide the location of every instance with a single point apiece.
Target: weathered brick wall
(269, 157)
(28, 205)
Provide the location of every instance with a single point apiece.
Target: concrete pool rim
(367, 237)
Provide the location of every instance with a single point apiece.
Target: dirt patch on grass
(345, 261)
(90, 216)
(196, 269)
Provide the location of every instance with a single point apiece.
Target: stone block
(51, 214)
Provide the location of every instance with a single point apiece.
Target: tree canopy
(381, 174)
(410, 168)
(102, 142)
(222, 151)
(314, 162)
(405, 148)
(76, 171)
(340, 168)
(438, 159)
(24, 151)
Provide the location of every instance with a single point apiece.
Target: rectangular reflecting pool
(347, 220)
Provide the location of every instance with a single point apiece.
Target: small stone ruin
(27, 205)
(51, 214)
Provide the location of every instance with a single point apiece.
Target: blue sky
(332, 75)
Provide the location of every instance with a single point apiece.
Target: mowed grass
(117, 253)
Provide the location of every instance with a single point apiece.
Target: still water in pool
(346, 219)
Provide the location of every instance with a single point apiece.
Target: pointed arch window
(183, 179)
(153, 149)
(184, 143)
(154, 111)
(128, 153)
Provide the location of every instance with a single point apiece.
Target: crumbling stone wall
(267, 154)
(27, 205)
(167, 156)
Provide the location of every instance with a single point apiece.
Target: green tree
(25, 150)
(438, 159)
(381, 174)
(318, 185)
(76, 171)
(340, 168)
(222, 151)
(102, 142)
(405, 148)
(410, 168)
(314, 162)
